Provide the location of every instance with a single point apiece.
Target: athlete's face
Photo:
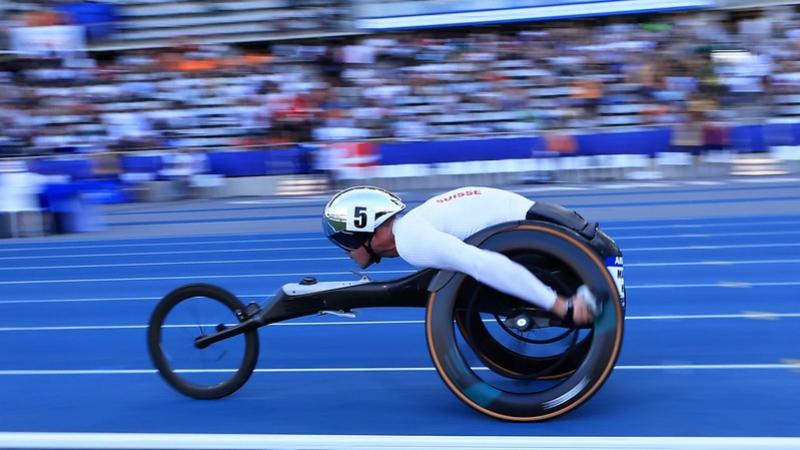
(361, 257)
(382, 244)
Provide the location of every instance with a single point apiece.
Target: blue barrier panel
(239, 164)
(779, 134)
(61, 197)
(796, 133)
(748, 138)
(458, 150)
(78, 169)
(97, 18)
(282, 161)
(647, 142)
(141, 163)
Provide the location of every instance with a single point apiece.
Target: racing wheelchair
(501, 356)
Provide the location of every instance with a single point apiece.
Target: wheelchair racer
(364, 221)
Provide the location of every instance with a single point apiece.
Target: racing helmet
(351, 217)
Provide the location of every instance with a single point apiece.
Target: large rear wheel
(517, 374)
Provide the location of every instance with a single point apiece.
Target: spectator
(410, 86)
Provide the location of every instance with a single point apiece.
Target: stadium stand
(522, 80)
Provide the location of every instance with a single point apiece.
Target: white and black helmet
(353, 215)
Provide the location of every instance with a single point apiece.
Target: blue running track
(712, 344)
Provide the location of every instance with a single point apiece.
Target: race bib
(615, 266)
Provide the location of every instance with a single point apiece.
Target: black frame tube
(409, 291)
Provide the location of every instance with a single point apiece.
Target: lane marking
(692, 202)
(72, 372)
(345, 258)
(792, 362)
(633, 185)
(707, 235)
(161, 244)
(110, 299)
(703, 225)
(176, 263)
(703, 183)
(710, 247)
(761, 315)
(550, 189)
(189, 441)
(715, 263)
(323, 239)
(334, 249)
(281, 201)
(744, 315)
(765, 180)
(736, 284)
(179, 252)
(724, 284)
(720, 284)
(194, 277)
(78, 300)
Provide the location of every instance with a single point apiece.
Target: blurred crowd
(674, 70)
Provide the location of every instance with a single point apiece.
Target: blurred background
(153, 100)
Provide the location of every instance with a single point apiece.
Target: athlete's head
(352, 216)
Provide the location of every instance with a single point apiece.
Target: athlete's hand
(581, 314)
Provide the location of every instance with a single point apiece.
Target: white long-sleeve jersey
(432, 236)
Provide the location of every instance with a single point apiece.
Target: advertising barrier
(62, 40)
(490, 152)
(423, 14)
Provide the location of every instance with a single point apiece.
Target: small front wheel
(191, 312)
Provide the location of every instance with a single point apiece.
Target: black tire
(574, 388)
(161, 362)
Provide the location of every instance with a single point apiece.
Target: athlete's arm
(429, 247)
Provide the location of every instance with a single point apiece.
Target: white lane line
(720, 284)
(390, 322)
(750, 315)
(68, 372)
(161, 244)
(110, 299)
(281, 201)
(633, 185)
(709, 247)
(288, 200)
(323, 239)
(703, 183)
(177, 252)
(715, 263)
(345, 258)
(176, 263)
(334, 249)
(188, 441)
(707, 235)
(392, 272)
(194, 277)
(766, 180)
(702, 225)
(77, 300)
(549, 189)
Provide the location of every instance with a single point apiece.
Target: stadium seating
(421, 85)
